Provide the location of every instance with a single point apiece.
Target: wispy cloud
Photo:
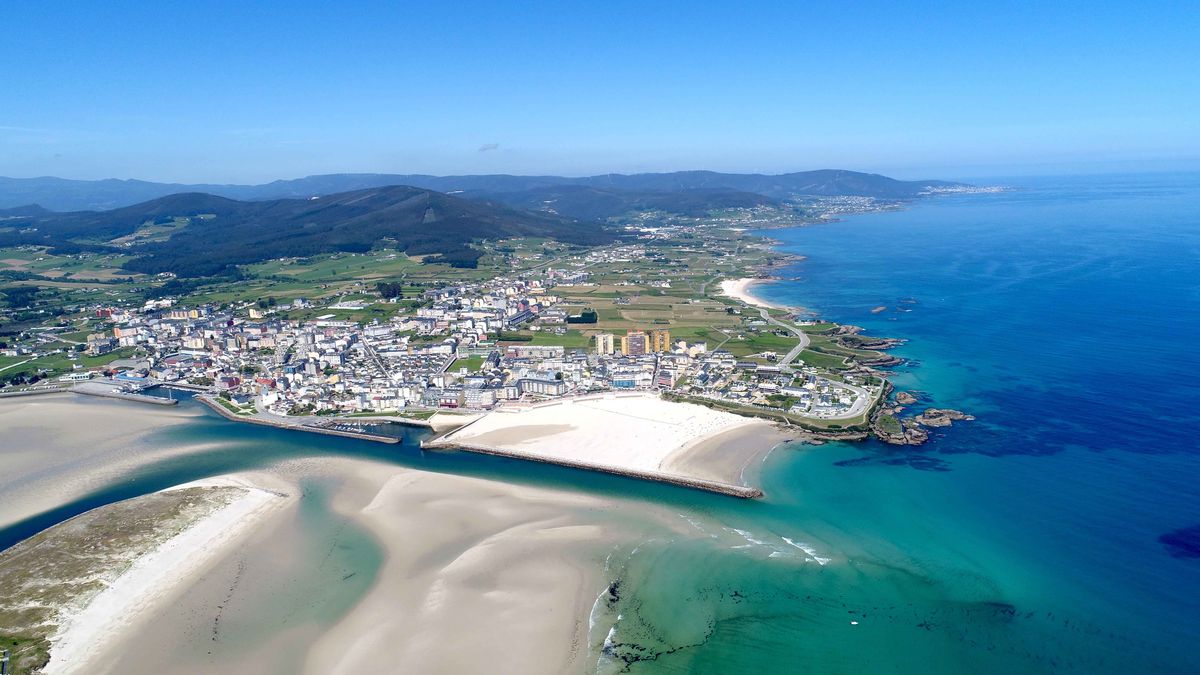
(18, 134)
(488, 147)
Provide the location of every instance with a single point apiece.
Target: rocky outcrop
(895, 431)
(889, 427)
(881, 361)
(941, 417)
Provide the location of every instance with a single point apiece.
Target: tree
(390, 289)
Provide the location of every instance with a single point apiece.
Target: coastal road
(804, 339)
(864, 400)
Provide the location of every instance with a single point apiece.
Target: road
(864, 400)
(804, 339)
(21, 363)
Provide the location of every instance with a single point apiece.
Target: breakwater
(109, 391)
(298, 426)
(729, 489)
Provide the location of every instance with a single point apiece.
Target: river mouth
(261, 608)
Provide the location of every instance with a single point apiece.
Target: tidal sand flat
(480, 576)
(636, 434)
(57, 447)
(472, 575)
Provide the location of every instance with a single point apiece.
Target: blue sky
(254, 91)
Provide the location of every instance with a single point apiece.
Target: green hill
(216, 234)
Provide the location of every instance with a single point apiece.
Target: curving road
(804, 339)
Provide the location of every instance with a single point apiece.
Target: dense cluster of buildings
(459, 348)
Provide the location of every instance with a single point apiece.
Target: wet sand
(58, 447)
(475, 575)
(364, 566)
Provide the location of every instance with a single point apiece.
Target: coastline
(742, 290)
(57, 448)
(476, 575)
(133, 596)
(538, 553)
(636, 435)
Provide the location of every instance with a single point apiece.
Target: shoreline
(742, 290)
(136, 593)
(635, 435)
(538, 551)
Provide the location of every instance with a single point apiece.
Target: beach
(637, 434)
(742, 290)
(476, 575)
(129, 601)
(480, 576)
(58, 447)
(445, 573)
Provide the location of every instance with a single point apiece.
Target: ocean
(1048, 536)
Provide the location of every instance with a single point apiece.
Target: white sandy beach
(130, 599)
(481, 576)
(623, 432)
(475, 575)
(742, 289)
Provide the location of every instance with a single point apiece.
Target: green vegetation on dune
(70, 563)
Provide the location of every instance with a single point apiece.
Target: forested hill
(62, 194)
(593, 203)
(203, 234)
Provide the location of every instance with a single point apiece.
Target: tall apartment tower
(604, 344)
(635, 343)
(660, 340)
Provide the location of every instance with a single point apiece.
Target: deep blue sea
(1049, 536)
(1064, 314)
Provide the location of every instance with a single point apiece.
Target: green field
(471, 363)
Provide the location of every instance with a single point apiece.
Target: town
(467, 346)
(451, 353)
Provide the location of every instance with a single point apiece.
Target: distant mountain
(26, 210)
(222, 233)
(63, 195)
(592, 203)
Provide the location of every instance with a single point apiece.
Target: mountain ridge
(217, 233)
(62, 194)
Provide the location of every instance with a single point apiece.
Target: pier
(122, 391)
(332, 427)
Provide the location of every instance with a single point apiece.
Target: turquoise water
(1063, 315)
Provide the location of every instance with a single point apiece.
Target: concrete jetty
(742, 491)
(111, 389)
(314, 428)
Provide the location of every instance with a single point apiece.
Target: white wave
(750, 538)
(808, 550)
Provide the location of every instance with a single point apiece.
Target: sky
(237, 92)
